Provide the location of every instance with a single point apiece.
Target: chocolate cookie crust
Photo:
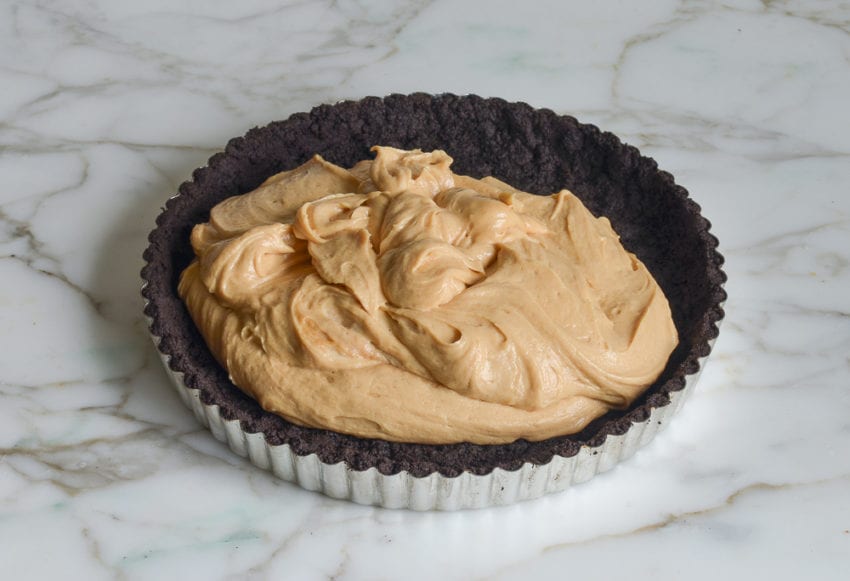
(532, 149)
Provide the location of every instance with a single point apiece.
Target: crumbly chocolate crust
(532, 149)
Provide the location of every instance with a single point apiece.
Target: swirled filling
(398, 300)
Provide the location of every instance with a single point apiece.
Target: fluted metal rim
(434, 491)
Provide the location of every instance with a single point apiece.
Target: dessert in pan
(433, 301)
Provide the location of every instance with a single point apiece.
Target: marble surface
(106, 106)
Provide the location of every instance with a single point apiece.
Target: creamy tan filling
(398, 300)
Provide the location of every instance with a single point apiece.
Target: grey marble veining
(105, 107)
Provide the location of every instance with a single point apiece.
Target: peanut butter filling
(398, 300)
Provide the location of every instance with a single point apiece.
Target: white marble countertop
(106, 106)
